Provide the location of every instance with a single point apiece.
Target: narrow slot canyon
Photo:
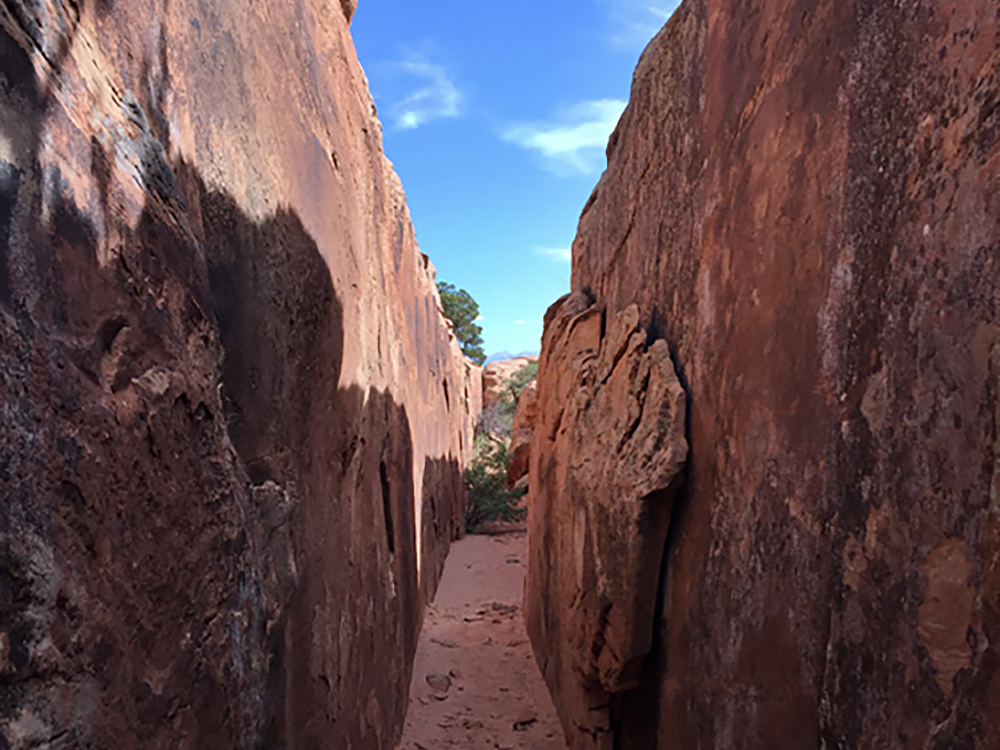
(475, 681)
(728, 480)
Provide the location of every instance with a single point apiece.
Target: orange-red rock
(608, 456)
(232, 418)
(522, 432)
(803, 201)
(496, 374)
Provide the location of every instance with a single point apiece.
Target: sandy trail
(475, 681)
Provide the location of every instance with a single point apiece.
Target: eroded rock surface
(608, 457)
(232, 418)
(803, 200)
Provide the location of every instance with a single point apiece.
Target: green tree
(490, 499)
(462, 311)
(486, 480)
(497, 420)
(517, 382)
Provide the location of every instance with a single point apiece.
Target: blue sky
(496, 116)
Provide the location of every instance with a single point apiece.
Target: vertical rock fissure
(636, 712)
(817, 189)
(390, 531)
(616, 446)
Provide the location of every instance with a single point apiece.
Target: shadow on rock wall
(204, 542)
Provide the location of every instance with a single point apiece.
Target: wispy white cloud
(519, 322)
(561, 254)
(575, 143)
(635, 22)
(436, 98)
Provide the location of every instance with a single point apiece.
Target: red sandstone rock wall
(232, 418)
(803, 200)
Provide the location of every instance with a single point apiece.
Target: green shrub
(486, 481)
(521, 378)
(497, 421)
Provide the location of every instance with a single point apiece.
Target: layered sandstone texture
(802, 201)
(232, 417)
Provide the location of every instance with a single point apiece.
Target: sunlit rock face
(232, 417)
(802, 202)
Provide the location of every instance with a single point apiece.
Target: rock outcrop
(232, 417)
(496, 374)
(522, 434)
(802, 201)
(608, 460)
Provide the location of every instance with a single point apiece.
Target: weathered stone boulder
(803, 201)
(232, 418)
(607, 461)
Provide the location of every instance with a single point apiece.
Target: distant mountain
(507, 355)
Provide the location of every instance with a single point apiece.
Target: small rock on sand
(439, 682)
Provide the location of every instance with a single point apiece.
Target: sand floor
(475, 681)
